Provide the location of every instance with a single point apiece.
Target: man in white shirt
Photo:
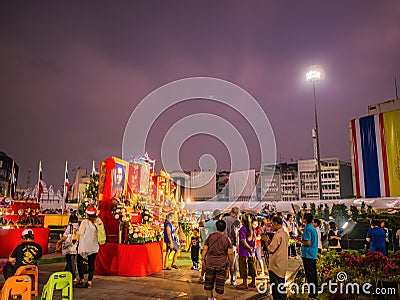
(278, 259)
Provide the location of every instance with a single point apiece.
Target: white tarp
(286, 206)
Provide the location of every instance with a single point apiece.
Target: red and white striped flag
(66, 180)
(40, 184)
(12, 181)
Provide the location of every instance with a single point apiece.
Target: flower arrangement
(144, 233)
(186, 227)
(147, 216)
(122, 213)
(359, 265)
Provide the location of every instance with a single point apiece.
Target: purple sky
(71, 73)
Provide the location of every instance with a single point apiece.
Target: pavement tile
(175, 284)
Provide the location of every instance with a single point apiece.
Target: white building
(298, 181)
(242, 185)
(336, 179)
(289, 182)
(79, 185)
(269, 182)
(383, 107)
(182, 182)
(201, 185)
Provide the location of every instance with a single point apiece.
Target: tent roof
(286, 206)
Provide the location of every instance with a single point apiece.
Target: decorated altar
(133, 202)
(15, 216)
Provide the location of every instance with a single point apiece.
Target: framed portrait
(119, 178)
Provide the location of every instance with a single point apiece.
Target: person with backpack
(216, 254)
(68, 245)
(88, 246)
(334, 237)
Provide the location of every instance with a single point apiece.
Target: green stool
(58, 281)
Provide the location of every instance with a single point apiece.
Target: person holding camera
(278, 258)
(217, 249)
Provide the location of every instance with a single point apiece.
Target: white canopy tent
(286, 206)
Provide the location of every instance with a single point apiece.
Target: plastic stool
(58, 281)
(33, 272)
(17, 286)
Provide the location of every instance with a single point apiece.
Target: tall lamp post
(313, 76)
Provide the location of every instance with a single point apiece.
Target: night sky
(72, 72)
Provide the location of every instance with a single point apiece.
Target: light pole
(312, 76)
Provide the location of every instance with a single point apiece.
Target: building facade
(336, 179)
(6, 164)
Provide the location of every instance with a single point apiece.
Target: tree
(326, 212)
(304, 206)
(363, 208)
(339, 212)
(355, 214)
(269, 208)
(92, 187)
(319, 211)
(312, 208)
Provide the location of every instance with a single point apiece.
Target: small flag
(66, 180)
(12, 181)
(40, 184)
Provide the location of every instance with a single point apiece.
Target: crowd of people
(231, 245)
(79, 244)
(248, 246)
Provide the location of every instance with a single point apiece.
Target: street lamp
(312, 76)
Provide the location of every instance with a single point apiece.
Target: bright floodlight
(345, 225)
(313, 75)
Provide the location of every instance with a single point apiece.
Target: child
(68, 245)
(194, 248)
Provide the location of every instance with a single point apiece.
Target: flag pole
(12, 181)
(38, 184)
(65, 187)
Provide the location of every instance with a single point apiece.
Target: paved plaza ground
(173, 284)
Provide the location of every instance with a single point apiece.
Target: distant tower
(28, 179)
(314, 137)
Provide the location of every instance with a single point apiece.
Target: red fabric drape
(11, 238)
(110, 223)
(129, 260)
